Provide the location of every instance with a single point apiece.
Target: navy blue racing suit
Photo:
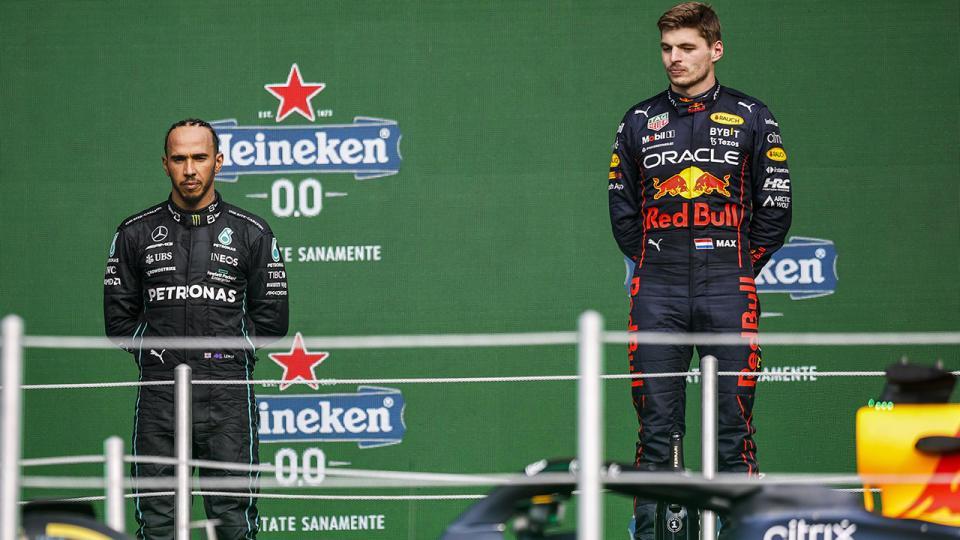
(700, 198)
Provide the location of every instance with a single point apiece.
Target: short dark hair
(193, 122)
(692, 15)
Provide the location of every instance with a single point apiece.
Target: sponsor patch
(726, 118)
(658, 122)
(777, 154)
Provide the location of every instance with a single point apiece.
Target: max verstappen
(699, 199)
(195, 266)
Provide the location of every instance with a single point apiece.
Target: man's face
(689, 60)
(191, 162)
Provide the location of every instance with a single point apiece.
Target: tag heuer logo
(658, 122)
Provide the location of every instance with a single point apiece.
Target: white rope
(71, 386)
(458, 380)
(512, 339)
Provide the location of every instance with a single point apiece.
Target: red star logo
(295, 95)
(298, 364)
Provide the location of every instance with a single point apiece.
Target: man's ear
(717, 51)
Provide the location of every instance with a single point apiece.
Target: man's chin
(192, 199)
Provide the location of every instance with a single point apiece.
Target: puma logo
(158, 355)
(643, 111)
(655, 244)
(748, 107)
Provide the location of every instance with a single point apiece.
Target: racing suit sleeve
(266, 297)
(624, 184)
(122, 292)
(772, 204)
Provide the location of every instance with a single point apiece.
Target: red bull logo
(886, 444)
(939, 501)
(690, 183)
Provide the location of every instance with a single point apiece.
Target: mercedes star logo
(159, 233)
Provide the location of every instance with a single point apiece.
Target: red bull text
(702, 216)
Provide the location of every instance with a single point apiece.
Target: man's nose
(189, 168)
(675, 55)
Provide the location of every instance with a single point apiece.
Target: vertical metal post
(11, 413)
(590, 427)
(184, 446)
(113, 468)
(708, 437)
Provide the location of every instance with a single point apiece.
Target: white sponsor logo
(655, 244)
(700, 155)
(776, 184)
(614, 186)
(222, 276)
(774, 138)
(747, 106)
(799, 529)
(225, 259)
(159, 234)
(155, 246)
(325, 419)
(770, 122)
(158, 354)
(159, 257)
(161, 269)
(112, 282)
(318, 151)
(724, 132)
(184, 292)
(780, 201)
(790, 271)
(659, 136)
(771, 170)
(642, 111)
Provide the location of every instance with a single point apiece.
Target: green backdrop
(496, 220)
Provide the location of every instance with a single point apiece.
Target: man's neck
(206, 201)
(696, 90)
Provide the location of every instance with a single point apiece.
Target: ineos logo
(159, 233)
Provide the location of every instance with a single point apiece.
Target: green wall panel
(496, 220)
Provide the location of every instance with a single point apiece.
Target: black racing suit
(216, 272)
(699, 199)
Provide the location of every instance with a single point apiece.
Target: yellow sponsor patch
(615, 161)
(726, 118)
(777, 154)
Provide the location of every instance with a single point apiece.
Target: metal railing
(589, 338)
